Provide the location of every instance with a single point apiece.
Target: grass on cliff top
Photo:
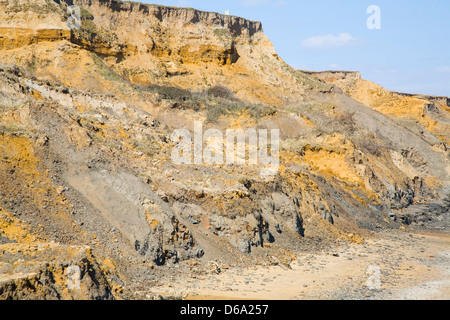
(217, 101)
(16, 6)
(307, 80)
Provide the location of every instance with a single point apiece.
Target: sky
(406, 48)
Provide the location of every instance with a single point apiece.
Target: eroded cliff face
(85, 147)
(151, 44)
(426, 115)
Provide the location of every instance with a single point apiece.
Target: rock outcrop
(86, 166)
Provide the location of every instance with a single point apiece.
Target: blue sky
(410, 53)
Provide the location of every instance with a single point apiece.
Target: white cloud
(330, 41)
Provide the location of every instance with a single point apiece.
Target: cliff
(86, 120)
(429, 114)
(143, 44)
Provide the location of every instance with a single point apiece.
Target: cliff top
(160, 12)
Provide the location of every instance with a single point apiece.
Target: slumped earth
(93, 207)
